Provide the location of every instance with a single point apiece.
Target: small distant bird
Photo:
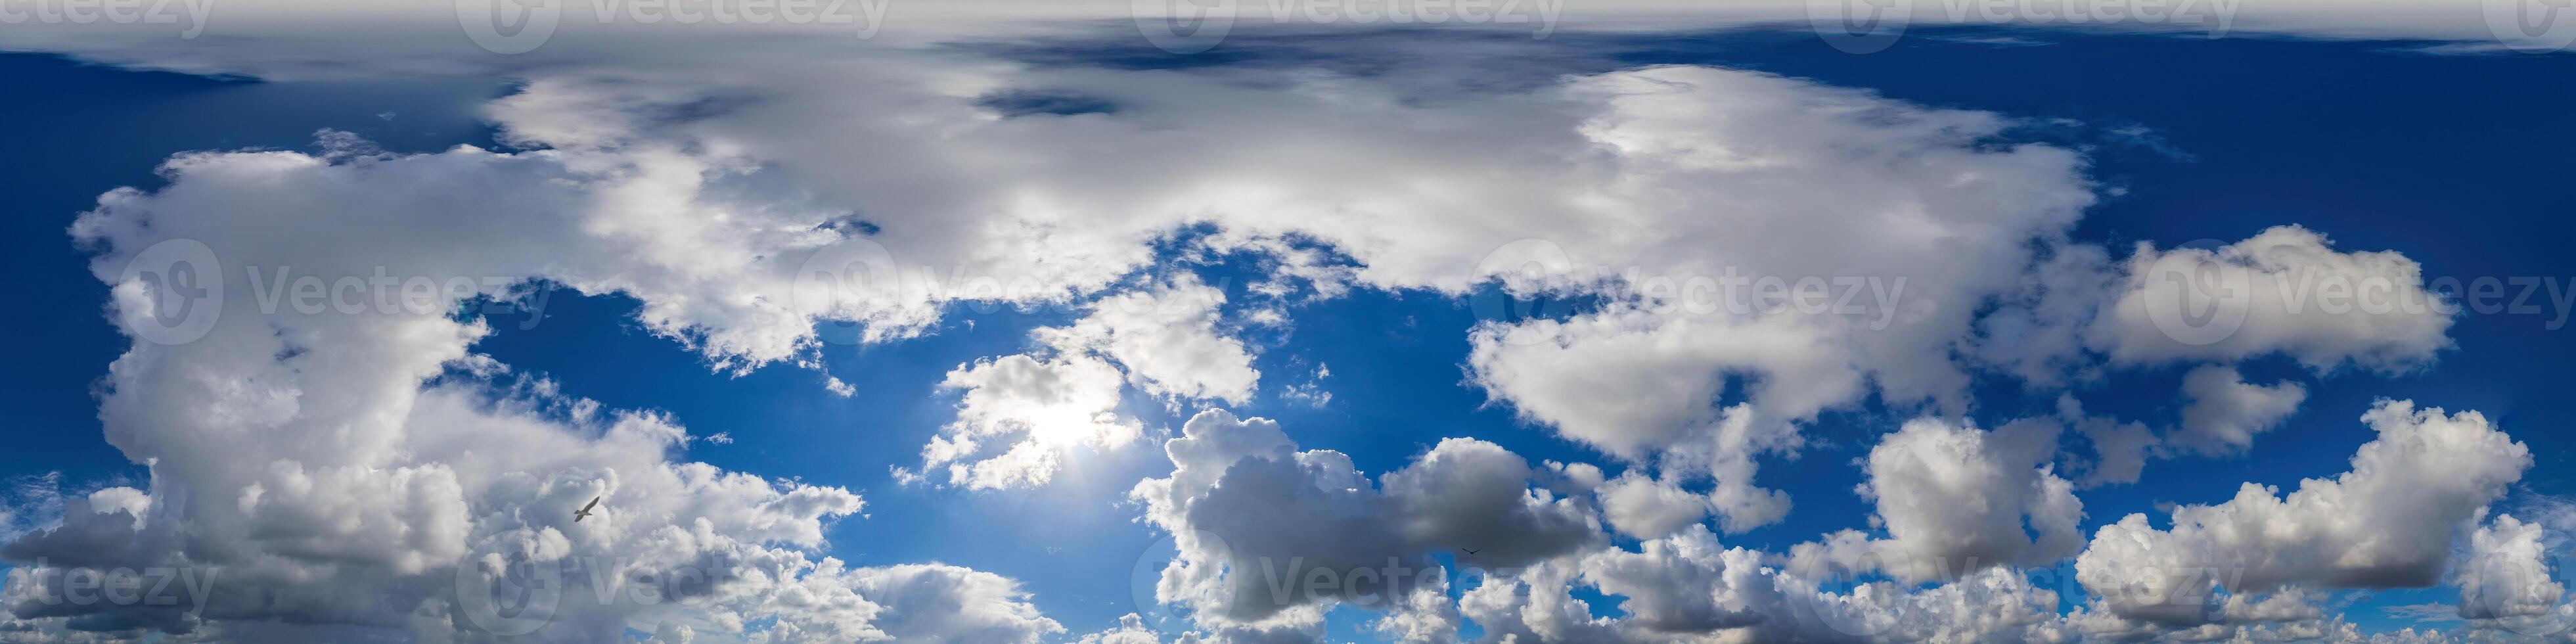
(1468, 551)
(577, 515)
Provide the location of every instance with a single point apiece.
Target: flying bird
(585, 510)
(1469, 551)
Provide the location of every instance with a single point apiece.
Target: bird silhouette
(1469, 551)
(577, 515)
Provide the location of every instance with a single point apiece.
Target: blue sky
(2454, 161)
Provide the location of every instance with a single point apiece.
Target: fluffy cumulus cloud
(924, 603)
(2120, 449)
(2510, 576)
(1022, 415)
(1687, 587)
(1720, 304)
(1169, 340)
(2220, 416)
(2506, 572)
(2389, 522)
(2285, 290)
(2258, 568)
(353, 464)
(1258, 523)
(2225, 412)
(1643, 507)
(1956, 499)
(1131, 629)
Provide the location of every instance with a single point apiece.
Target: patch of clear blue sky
(2456, 161)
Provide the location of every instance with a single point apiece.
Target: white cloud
(1167, 338)
(2119, 449)
(1672, 352)
(2388, 522)
(1686, 587)
(2224, 412)
(1253, 518)
(2506, 578)
(1022, 416)
(340, 466)
(1131, 629)
(1955, 499)
(950, 604)
(2285, 290)
(1642, 507)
